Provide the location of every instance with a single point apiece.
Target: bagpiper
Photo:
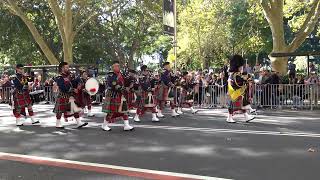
(238, 90)
(166, 91)
(186, 93)
(65, 99)
(145, 96)
(21, 97)
(115, 105)
(131, 84)
(83, 99)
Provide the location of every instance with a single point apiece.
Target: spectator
(312, 68)
(298, 92)
(291, 72)
(221, 84)
(248, 69)
(313, 81)
(256, 70)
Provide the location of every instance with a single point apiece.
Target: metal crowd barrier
(294, 96)
(50, 95)
(5, 94)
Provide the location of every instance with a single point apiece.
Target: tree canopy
(209, 31)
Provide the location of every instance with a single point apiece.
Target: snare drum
(37, 96)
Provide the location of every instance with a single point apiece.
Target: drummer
(66, 91)
(146, 101)
(83, 99)
(21, 97)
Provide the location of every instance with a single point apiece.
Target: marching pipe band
(145, 92)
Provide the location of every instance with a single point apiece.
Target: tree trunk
(68, 53)
(279, 46)
(34, 31)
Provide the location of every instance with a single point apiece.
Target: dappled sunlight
(247, 152)
(142, 149)
(197, 151)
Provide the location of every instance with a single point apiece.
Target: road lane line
(103, 168)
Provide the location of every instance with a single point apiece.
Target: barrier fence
(295, 96)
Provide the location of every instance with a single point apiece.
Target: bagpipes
(175, 85)
(236, 93)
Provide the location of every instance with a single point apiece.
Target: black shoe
(37, 122)
(84, 124)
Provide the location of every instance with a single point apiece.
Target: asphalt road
(275, 146)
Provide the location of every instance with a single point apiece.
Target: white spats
(193, 110)
(248, 117)
(179, 110)
(174, 113)
(154, 117)
(90, 113)
(33, 121)
(19, 122)
(136, 118)
(105, 126)
(160, 115)
(59, 123)
(230, 119)
(80, 124)
(126, 126)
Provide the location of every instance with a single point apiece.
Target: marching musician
(131, 84)
(65, 96)
(21, 96)
(166, 91)
(186, 95)
(238, 90)
(155, 84)
(83, 99)
(115, 105)
(145, 96)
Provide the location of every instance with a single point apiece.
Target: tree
(274, 13)
(70, 17)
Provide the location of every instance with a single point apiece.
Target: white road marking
(237, 131)
(50, 161)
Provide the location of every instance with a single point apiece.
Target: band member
(155, 84)
(65, 96)
(166, 91)
(115, 104)
(145, 96)
(186, 94)
(21, 97)
(83, 99)
(131, 84)
(238, 90)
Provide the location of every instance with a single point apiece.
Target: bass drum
(92, 86)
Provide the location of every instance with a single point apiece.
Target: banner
(168, 17)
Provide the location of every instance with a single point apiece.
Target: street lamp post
(175, 35)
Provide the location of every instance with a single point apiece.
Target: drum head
(92, 86)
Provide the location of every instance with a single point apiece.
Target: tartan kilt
(163, 93)
(156, 95)
(87, 99)
(83, 99)
(62, 104)
(112, 103)
(235, 105)
(130, 99)
(143, 99)
(22, 100)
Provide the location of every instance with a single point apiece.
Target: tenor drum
(92, 86)
(37, 96)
